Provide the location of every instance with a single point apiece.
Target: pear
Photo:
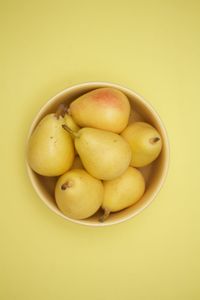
(105, 155)
(50, 148)
(70, 123)
(78, 194)
(103, 108)
(145, 142)
(122, 192)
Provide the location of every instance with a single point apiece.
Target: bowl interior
(154, 173)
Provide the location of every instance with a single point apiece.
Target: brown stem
(75, 134)
(105, 215)
(66, 185)
(154, 140)
(61, 110)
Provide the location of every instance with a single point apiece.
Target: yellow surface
(152, 47)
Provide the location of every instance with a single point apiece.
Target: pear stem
(154, 140)
(105, 215)
(61, 110)
(66, 185)
(75, 134)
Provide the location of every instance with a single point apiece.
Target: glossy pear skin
(105, 155)
(145, 142)
(123, 191)
(78, 194)
(50, 149)
(103, 108)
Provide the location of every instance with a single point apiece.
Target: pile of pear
(95, 153)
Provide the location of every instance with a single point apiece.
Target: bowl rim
(146, 103)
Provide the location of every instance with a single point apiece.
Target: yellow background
(152, 47)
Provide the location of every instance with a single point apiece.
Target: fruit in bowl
(145, 142)
(93, 153)
(105, 155)
(103, 108)
(78, 194)
(51, 151)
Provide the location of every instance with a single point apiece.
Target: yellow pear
(103, 108)
(122, 192)
(70, 123)
(50, 149)
(105, 155)
(78, 194)
(145, 142)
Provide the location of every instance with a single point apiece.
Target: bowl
(154, 174)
